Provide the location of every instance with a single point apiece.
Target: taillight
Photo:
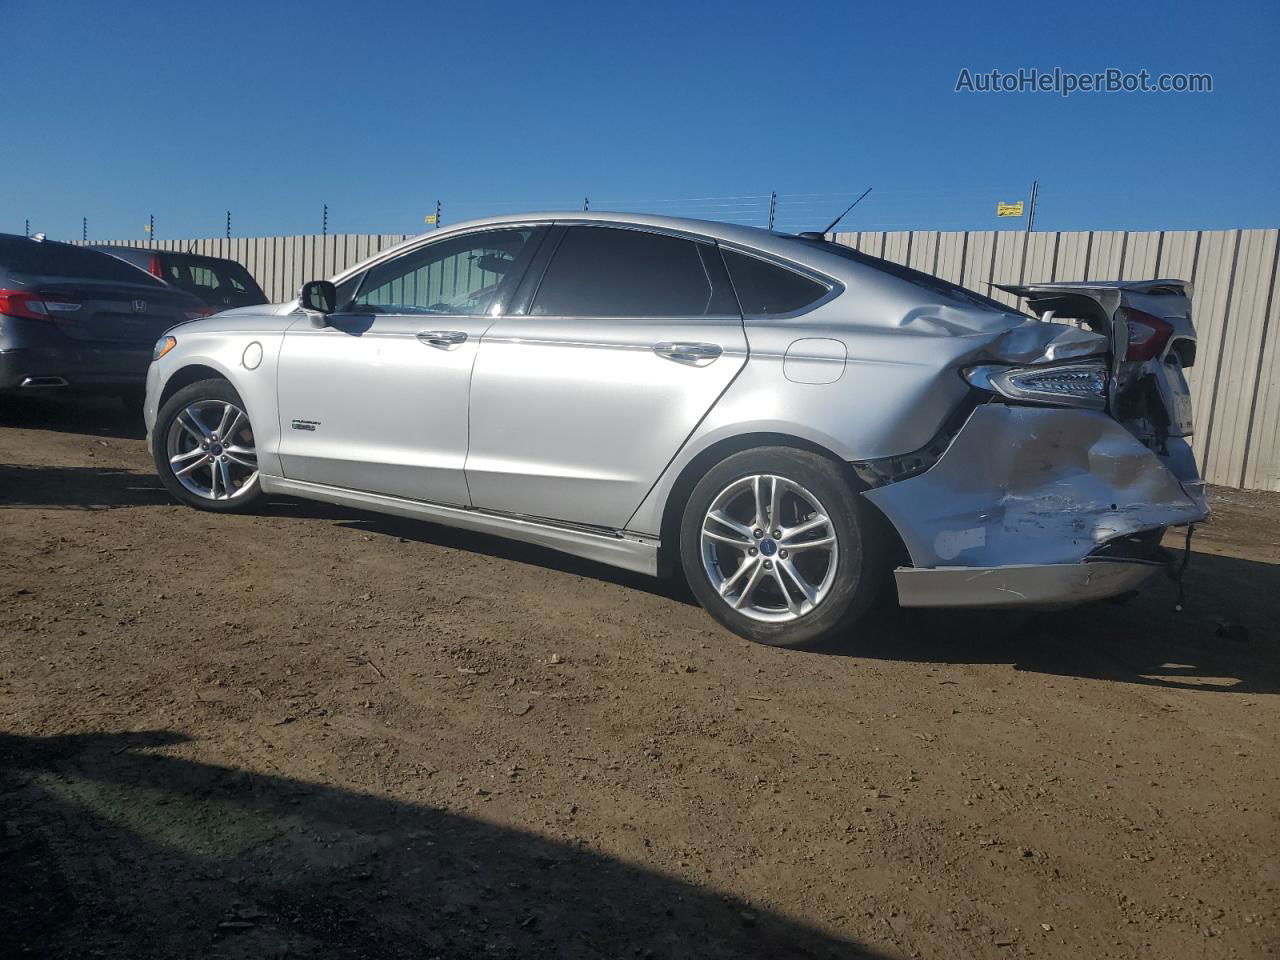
(18, 303)
(1080, 384)
(1147, 334)
(154, 267)
(32, 306)
(197, 313)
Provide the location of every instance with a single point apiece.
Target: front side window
(607, 272)
(461, 276)
(766, 289)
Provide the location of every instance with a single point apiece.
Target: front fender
(229, 355)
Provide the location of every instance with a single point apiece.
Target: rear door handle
(694, 354)
(444, 339)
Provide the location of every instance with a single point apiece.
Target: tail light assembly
(34, 306)
(1148, 335)
(1082, 384)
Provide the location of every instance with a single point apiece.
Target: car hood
(261, 318)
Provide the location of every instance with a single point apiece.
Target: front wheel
(204, 450)
(778, 546)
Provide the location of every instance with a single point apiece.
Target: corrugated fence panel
(1108, 255)
(1214, 270)
(1242, 336)
(977, 262)
(924, 251)
(897, 246)
(1142, 255)
(1262, 463)
(1235, 382)
(951, 251)
(1073, 255)
(1007, 266)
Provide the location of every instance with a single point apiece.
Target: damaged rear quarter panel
(1028, 485)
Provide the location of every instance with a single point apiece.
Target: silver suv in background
(788, 421)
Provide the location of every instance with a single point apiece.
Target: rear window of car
(45, 259)
(205, 275)
(952, 291)
(767, 289)
(607, 272)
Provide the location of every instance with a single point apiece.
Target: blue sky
(115, 111)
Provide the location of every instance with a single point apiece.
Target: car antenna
(822, 234)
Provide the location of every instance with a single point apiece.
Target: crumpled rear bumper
(1021, 585)
(1022, 496)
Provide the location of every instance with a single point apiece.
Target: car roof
(781, 245)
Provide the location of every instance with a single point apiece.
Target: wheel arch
(704, 460)
(186, 375)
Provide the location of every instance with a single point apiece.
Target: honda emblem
(139, 306)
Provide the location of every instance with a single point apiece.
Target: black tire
(213, 389)
(861, 559)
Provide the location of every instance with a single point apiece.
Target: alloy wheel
(210, 450)
(769, 548)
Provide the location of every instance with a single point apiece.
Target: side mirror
(318, 298)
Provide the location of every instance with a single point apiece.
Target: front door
(579, 404)
(377, 400)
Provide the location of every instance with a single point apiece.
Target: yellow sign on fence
(1009, 209)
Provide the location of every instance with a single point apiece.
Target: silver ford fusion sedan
(785, 419)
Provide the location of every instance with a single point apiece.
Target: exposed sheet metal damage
(1024, 485)
(1029, 504)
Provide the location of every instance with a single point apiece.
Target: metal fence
(1235, 381)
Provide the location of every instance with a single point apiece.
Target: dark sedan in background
(220, 283)
(74, 318)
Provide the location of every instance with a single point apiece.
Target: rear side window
(766, 289)
(44, 259)
(605, 272)
(208, 275)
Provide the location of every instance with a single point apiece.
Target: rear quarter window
(767, 289)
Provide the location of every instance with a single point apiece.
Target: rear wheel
(778, 546)
(204, 449)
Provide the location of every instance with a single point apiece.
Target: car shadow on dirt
(421, 531)
(1225, 640)
(78, 488)
(101, 416)
(112, 847)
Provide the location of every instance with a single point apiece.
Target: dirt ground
(318, 733)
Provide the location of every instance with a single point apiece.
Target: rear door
(581, 399)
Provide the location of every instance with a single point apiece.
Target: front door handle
(444, 339)
(694, 354)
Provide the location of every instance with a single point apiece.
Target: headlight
(1069, 384)
(163, 346)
